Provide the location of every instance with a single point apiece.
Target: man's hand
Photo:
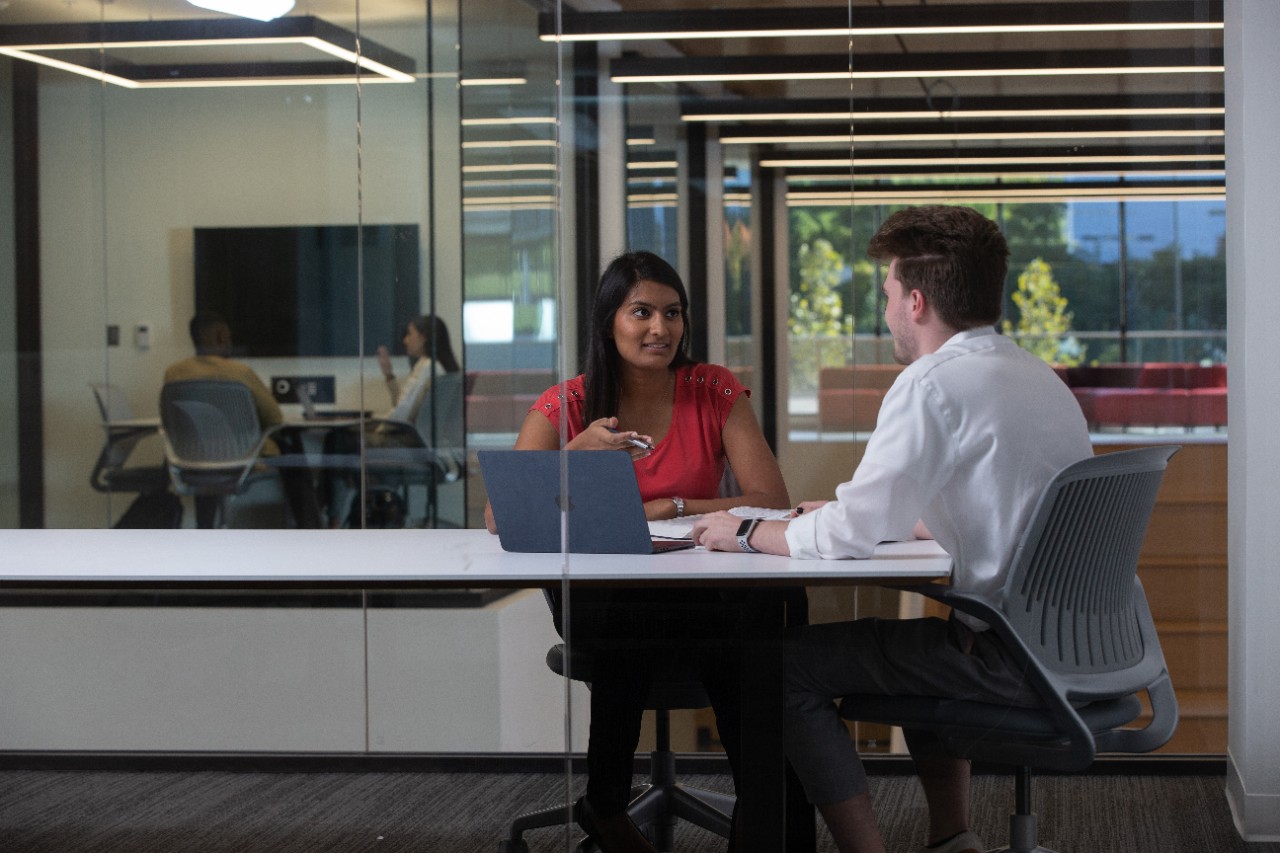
(718, 531)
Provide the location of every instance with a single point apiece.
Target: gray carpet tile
(212, 812)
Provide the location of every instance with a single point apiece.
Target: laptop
(606, 515)
(311, 413)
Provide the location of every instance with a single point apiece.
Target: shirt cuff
(802, 536)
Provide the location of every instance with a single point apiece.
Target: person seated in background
(426, 342)
(211, 336)
(640, 383)
(968, 437)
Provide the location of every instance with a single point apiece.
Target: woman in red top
(641, 383)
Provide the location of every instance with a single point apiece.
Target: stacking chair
(1074, 614)
(111, 472)
(213, 441)
(430, 451)
(656, 805)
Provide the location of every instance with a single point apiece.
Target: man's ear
(917, 304)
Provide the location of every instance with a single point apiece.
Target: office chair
(1074, 613)
(429, 452)
(111, 473)
(656, 805)
(213, 441)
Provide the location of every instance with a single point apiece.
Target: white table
(356, 559)
(404, 558)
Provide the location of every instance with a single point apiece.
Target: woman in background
(641, 383)
(426, 342)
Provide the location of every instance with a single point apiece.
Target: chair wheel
(510, 846)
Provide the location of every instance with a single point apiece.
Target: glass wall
(480, 172)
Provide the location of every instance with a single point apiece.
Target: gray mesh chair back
(212, 435)
(1071, 594)
(1074, 614)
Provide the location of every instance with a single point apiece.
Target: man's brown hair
(955, 256)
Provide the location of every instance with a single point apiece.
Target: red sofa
(1161, 394)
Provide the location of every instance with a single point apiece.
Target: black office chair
(656, 805)
(430, 452)
(1073, 612)
(111, 472)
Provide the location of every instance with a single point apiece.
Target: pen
(634, 442)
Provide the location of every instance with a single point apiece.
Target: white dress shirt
(966, 439)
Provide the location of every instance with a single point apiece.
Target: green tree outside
(818, 316)
(1044, 323)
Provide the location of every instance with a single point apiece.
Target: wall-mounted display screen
(294, 290)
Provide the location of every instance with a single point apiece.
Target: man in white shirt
(967, 438)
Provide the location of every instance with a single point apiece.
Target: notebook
(606, 515)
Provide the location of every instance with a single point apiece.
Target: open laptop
(311, 413)
(606, 515)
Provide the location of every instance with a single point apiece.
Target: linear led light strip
(508, 122)
(1029, 192)
(939, 137)
(493, 81)
(509, 167)
(975, 198)
(508, 182)
(848, 115)
(846, 162)
(652, 165)
(511, 143)
(25, 51)
(1005, 176)
(727, 77)
(882, 31)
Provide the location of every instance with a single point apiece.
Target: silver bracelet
(679, 502)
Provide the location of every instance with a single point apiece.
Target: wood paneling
(1184, 572)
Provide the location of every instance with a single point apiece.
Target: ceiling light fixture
(513, 121)
(997, 160)
(980, 194)
(230, 53)
(1085, 17)
(871, 66)
(745, 111)
(258, 10)
(1037, 173)
(863, 138)
(493, 81)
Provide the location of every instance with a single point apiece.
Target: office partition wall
(525, 144)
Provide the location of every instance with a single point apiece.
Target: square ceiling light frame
(345, 58)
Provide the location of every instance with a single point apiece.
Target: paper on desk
(682, 528)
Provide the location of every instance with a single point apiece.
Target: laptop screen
(601, 505)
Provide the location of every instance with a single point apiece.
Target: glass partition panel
(479, 176)
(309, 221)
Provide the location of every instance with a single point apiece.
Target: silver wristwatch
(679, 502)
(745, 529)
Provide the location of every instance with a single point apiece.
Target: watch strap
(745, 529)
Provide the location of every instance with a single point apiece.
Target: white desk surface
(403, 558)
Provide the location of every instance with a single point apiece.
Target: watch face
(745, 526)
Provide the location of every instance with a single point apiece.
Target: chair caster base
(513, 846)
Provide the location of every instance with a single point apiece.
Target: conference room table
(409, 559)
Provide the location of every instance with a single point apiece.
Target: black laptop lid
(605, 513)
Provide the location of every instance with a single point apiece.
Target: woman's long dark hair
(437, 348)
(602, 385)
